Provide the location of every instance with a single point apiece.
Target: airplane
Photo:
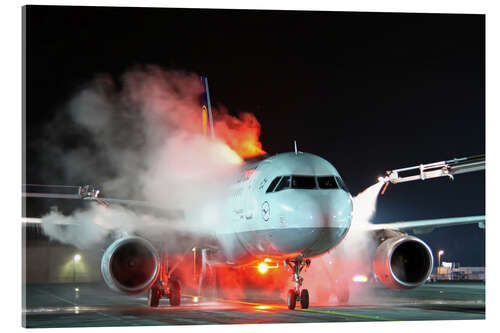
(292, 208)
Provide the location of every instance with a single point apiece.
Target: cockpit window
(284, 184)
(273, 184)
(341, 184)
(303, 182)
(306, 183)
(327, 182)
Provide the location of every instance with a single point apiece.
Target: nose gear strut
(296, 265)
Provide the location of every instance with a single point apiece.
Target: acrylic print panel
(202, 166)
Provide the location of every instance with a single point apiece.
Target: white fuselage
(285, 205)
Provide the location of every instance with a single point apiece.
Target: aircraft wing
(426, 226)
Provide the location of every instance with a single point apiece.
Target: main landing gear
(172, 291)
(297, 295)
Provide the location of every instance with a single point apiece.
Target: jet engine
(130, 265)
(403, 262)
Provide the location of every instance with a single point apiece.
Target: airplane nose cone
(332, 210)
(327, 217)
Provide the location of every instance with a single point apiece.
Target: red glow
(327, 275)
(241, 133)
(234, 283)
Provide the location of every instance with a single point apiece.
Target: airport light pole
(440, 253)
(194, 264)
(76, 259)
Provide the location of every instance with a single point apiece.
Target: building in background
(48, 261)
(453, 271)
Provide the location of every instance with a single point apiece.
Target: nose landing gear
(297, 264)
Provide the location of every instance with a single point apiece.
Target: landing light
(263, 268)
(195, 299)
(262, 307)
(360, 278)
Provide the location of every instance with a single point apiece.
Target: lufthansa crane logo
(204, 119)
(266, 211)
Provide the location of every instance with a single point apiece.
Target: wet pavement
(88, 305)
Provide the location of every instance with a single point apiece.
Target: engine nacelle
(403, 262)
(130, 265)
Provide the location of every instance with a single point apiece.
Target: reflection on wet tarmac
(95, 305)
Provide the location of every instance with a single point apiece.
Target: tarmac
(94, 305)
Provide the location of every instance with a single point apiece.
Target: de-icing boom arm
(438, 169)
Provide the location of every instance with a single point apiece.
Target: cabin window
(284, 184)
(304, 182)
(327, 182)
(273, 184)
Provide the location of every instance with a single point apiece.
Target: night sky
(369, 92)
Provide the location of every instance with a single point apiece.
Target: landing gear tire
(296, 265)
(175, 293)
(154, 297)
(304, 299)
(292, 299)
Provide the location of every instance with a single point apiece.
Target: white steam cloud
(141, 138)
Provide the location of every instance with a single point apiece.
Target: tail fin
(207, 122)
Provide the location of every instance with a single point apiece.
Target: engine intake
(403, 262)
(130, 265)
